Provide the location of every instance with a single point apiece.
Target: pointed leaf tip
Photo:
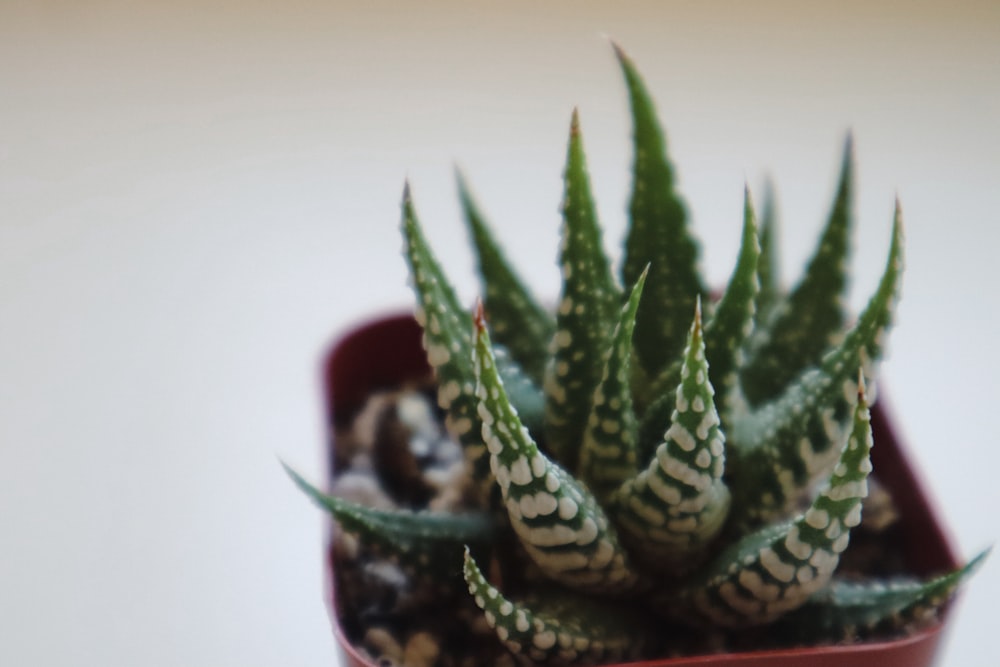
(896, 248)
(645, 272)
(479, 316)
(311, 491)
(574, 123)
(977, 562)
(748, 200)
(464, 189)
(847, 164)
(619, 51)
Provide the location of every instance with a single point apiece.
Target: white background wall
(194, 197)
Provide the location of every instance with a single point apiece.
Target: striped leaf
(672, 509)
(774, 571)
(558, 628)
(559, 522)
(447, 338)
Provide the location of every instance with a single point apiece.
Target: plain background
(195, 197)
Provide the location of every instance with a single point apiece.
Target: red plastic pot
(384, 352)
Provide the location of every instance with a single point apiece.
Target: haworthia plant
(663, 460)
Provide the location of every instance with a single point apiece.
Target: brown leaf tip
(619, 51)
(479, 316)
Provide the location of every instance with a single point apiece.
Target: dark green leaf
(657, 236)
(516, 320)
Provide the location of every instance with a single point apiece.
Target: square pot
(386, 351)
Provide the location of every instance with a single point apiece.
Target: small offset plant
(650, 461)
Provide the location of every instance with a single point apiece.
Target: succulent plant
(650, 453)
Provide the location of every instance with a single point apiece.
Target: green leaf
(559, 628)
(776, 570)
(732, 320)
(448, 340)
(607, 457)
(423, 541)
(516, 319)
(851, 611)
(802, 326)
(559, 522)
(676, 506)
(784, 446)
(769, 264)
(657, 235)
(586, 314)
